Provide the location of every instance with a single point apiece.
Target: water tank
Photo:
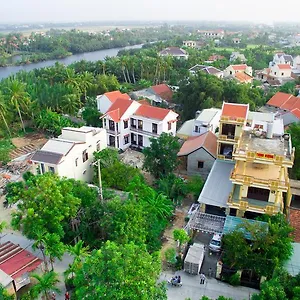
(197, 114)
(270, 130)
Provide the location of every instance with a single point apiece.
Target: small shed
(194, 259)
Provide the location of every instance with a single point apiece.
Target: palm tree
(46, 283)
(3, 111)
(40, 244)
(18, 96)
(70, 104)
(78, 251)
(86, 81)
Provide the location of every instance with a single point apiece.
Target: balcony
(254, 205)
(112, 131)
(143, 132)
(228, 138)
(261, 175)
(230, 120)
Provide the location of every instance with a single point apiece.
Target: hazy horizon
(63, 11)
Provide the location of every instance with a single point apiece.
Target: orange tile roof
(143, 101)
(235, 110)
(290, 103)
(216, 57)
(163, 91)
(152, 112)
(242, 77)
(118, 108)
(206, 140)
(294, 217)
(279, 99)
(284, 66)
(239, 67)
(113, 96)
(296, 112)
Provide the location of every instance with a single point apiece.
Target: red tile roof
(207, 140)
(143, 101)
(279, 99)
(235, 110)
(294, 217)
(163, 91)
(296, 112)
(239, 67)
(290, 103)
(118, 108)
(216, 57)
(113, 96)
(152, 112)
(284, 66)
(15, 261)
(242, 77)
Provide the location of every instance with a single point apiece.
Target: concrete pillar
(227, 211)
(240, 213)
(202, 207)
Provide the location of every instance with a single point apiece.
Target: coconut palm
(19, 98)
(3, 111)
(70, 104)
(78, 251)
(86, 81)
(45, 284)
(40, 244)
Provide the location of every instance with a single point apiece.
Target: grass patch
(5, 147)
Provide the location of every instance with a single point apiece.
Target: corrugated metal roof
(232, 223)
(207, 115)
(218, 185)
(46, 157)
(58, 146)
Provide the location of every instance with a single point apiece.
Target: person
(53, 297)
(174, 280)
(202, 278)
(67, 296)
(178, 279)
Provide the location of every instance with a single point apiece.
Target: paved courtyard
(213, 288)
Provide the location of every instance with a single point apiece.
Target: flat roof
(261, 116)
(277, 145)
(186, 128)
(208, 114)
(57, 145)
(219, 176)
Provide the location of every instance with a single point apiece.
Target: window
(140, 140)
(154, 128)
(196, 129)
(200, 164)
(98, 146)
(76, 162)
(140, 124)
(282, 74)
(85, 156)
(230, 72)
(133, 139)
(51, 169)
(133, 122)
(111, 125)
(42, 168)
(125, 124)
(169, 125)
(275, 73)
(126, 139)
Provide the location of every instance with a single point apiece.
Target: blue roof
(233, 223)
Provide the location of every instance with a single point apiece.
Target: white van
(215, 243)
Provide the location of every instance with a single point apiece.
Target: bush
(179, 263)
(195, 185)
(5, 147)
(170, 256)
(234, 279)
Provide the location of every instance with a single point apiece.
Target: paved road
(213, 288)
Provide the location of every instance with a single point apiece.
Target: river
(90, 56)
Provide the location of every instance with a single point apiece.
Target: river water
(90, 56)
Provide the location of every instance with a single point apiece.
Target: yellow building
(262, 154)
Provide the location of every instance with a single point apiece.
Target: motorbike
(174, 282)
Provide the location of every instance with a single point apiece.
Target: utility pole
(100, 181)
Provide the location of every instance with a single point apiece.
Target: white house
(281, 71)
(191, 44)
(237, 56)
(174, 52)
(71, 154)
(296, 62)
(205, 120)
(281, 58)
(105, 101)
(231, 70)
(129, 123)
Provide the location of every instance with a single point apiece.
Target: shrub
(170, 256)
(234, 279)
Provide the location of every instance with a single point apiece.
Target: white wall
(103, 103)
(84, 170)
(281, 73)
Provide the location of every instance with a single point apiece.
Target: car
(215, 243)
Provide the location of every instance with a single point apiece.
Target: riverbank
(88, 56)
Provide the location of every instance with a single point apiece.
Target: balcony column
(240, 213)
(244, 167)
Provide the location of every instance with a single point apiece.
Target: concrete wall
(103, 103)
(192, 163)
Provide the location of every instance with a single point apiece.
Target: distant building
(281, 58)
(174, 52)
(237, 56)
(241, 73)
(214, 58)
(236, 41)
(206, 69)
(219, 34)
(71, 154)
(284, 102)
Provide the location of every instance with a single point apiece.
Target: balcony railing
(229, 138)
(114, 132)
(232, 120)
(144, 132)
(250, 180)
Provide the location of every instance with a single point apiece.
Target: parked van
(215, 243)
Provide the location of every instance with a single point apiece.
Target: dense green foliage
(5, 147)
(117, 271)
(161, 155)
(267, 250)
(4, 295)
(294, 130)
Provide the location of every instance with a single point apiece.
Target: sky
(22, 11)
